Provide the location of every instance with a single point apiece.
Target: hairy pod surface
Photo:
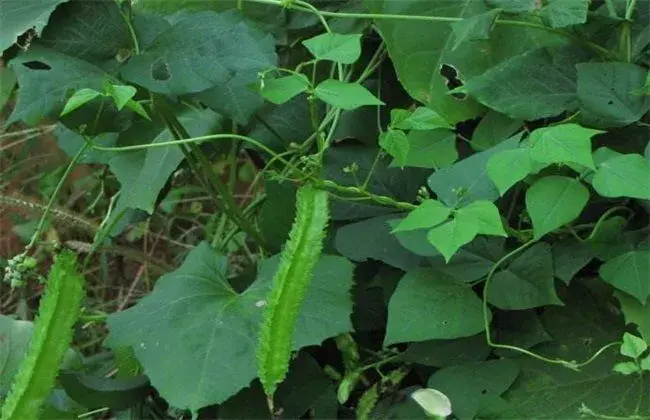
(290, 283)
(58, 311)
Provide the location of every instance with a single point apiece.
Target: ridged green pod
(301, 253)
(58, 311)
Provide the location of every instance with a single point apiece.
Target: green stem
(381, 199)
(129, 25)
(41, 223)
(214, 184)
(573, 365)
(300, 5)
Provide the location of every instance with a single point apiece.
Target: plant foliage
(389, 208)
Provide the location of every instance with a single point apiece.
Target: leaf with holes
(19, 17)
(421, 50)
(554, 201)
(47, 79)
(198, 53)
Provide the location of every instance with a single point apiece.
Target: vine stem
(573, 365)
(41, 223)
(300, 5)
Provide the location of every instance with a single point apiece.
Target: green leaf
(474, 28)
(400, 184)
(7, 85)
(429, 213)
(16, 337)
(626, 368)
(19, 17)
(277, 212)
(234, 98)
(70, 142)
(345, 95)
(635, 313)
(143, 174)
(554, 201)
(562, 13)
(530, 86)
(396, 144)
(97, 392)
(422, 118)
(79, 98)
(430, 149)
(198, 53)
(283, 89)
(138, 109)
(95, 32)
(509, 167)
(194, 317)
(629, 273)
(566, 143)
(472, 261)
(605, 93)
(514, 6)
(283, 124)
(474, 386)
(623, 176)
(340, 48)
(13, 347)
(633, 346)
(487, 215)
(450, 236)
(519, 328)
(469, 176)
(442, 353)
(579, 330)
(493, 128)
(46, 78)
(645, 363)
(527, 282)
(372, 239)
(430, 305)
(569, 257)
(121, 94)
